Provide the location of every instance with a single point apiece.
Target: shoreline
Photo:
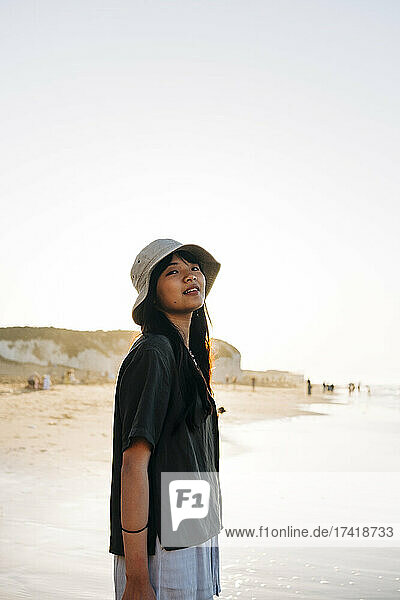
(72, 423)
(245, 406)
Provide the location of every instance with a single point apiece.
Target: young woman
(165, 421)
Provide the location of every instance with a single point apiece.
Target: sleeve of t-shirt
(144, 397)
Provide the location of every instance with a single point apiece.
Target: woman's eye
(175, 270)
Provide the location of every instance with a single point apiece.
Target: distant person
(309, 386)
(227, 379)
(324, 387)
(234, 381)
(359, 386)
(70, 376)
(66, 376)
(253, 383)
(46, 382)
(33, 381)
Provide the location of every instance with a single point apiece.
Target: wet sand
(56, 452)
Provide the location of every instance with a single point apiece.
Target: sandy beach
(51, 428)
(56, 451)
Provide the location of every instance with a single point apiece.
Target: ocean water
(355, 437)
(381, 395)
(357, 432)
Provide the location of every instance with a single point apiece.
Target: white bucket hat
(147, 259)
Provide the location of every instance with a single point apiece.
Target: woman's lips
(191, 293)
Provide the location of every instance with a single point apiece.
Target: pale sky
(267, 132)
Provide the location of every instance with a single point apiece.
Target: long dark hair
(155, 321)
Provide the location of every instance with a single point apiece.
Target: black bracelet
(135, 531)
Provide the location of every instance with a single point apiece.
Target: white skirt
(188, 574)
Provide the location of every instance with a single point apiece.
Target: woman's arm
(135, 509)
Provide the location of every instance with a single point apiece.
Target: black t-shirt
(147, 404)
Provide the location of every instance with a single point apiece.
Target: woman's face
(179, 276)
